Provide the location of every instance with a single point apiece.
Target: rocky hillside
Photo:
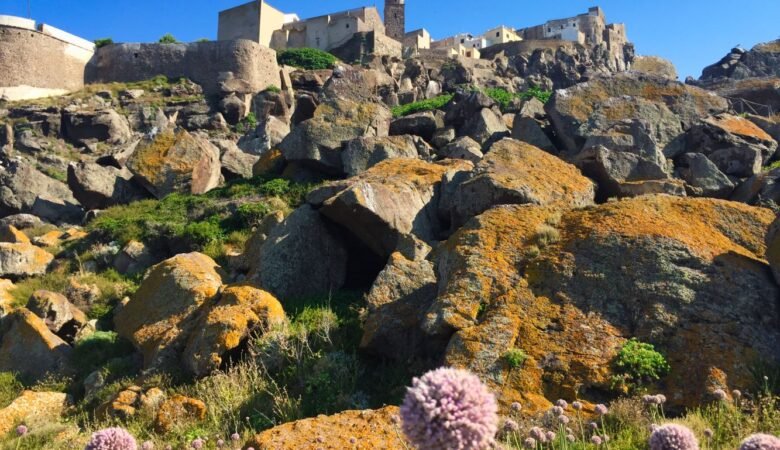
(272, 270)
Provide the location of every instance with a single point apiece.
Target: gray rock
(363, 153)
(620, 174)
(702, 176)
(21, 221)
(23, 260)
(486, 127)
(301, 257)
(463, 148)
(24, 189)
(238, 164)
(81, 127)
(59, 315)
(268, 134)
(423, 124)
(528, 129)
(100, 187)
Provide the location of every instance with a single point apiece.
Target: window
(347, 25)
(574, 25)
(498, 33)
(462, 41)
(549, 30)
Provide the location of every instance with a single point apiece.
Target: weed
(638, 363)
(306, 58)
(423, 105)
(515, 357)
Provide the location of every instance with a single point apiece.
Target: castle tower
(395, 19)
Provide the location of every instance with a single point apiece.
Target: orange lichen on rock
(38, 407)
(365, 430)
(9, 233)
(740, 126)
(179, 411)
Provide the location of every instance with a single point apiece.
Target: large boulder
(702, 176)
(302, 256)
(763, 60)
(317, 142)
(401, 295)
(23, 260)
(99, 187)
(84, 127)
(29, 348)
(23, 189)
(515, 172)
(394, 199)
(369, 429)
(176, 162)
(33, 407)
(568, 288)
(423, 124)
(735, 144)
(161, 315)
(363, 153)
(656, 66)
(572, 110)
(240, 311)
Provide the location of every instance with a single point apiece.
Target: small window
(549, 30)
(347, 25)
(561, 27)
(498, 33)
(462, 41)
(574, 25)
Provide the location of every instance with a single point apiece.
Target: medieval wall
(395, 19)
(202, 62)
(39, 61)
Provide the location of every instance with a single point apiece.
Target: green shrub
(247, 124)
(103, 42)
(423, 105)
(94, 351)
(638, 363)
(535, 92)
(201, 40)
(10, 388)
(501, 96)
(250, 214)
(306, 58)
(168, 39)
(515, 357)
(273, 89)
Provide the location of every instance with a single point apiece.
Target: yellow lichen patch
(270, 162)
(32, 407)
(769, 47)
(149, 158)
(179, 411)
(710, 235)
(414, 172)
(10, 234)
(740, 126)
(370, 429)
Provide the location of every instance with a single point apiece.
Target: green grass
(10, 388)
(103, 42)
(306, 58)
(515, 357)
(504, 98)
(423, 105)
(168, 38)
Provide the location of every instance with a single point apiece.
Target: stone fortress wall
(40, 60)
(206, 63)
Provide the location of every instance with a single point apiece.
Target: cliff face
(763, 60)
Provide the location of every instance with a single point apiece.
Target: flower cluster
(449, 409)
(112, 439)
(673, 437)
(760, 442)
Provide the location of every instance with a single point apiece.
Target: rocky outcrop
(23, 189)
(179, 410)
(125, 404)
(363, 153)
(361, 429)
(85, 127)
(654, 65)
(554, 285)
(28, 348)
(23, 260)
(393, 199)
(423, 124)
(515, 172)
(317, 142)
(158, 319)
(99, 187)
(763, 60)
(240, 311)
(32, 407)
(302, 256)
(176, 162)
(60, 316)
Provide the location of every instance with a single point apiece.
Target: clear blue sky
(692, 33)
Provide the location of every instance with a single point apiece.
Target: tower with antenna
(395, 19)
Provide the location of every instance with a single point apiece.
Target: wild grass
(423, 105)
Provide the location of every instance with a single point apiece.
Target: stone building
(40, 60)
(395, 19)
(417, 39)
(470, 46)
(328, 31)
(255, 21)
(588, 29)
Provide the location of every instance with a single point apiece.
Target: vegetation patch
(306, 58)
(638, 363)
(423, 105)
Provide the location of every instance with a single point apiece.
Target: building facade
(588, 29)
(328, 31)
(254, 21)
(470, 46)
(395, 19)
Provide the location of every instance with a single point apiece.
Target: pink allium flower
(449, 409)
(601, 409)
(220, 443)
(595, 440)
(563, 419)
(708, 433)
(593, 426)
(577, 406)
(511, 426)
(516, 406)
(537, 433)
(760, 442)
(529, 443)
(673, 437)
(169, 447)
(562, 403)
(112, 439)
(736, 393)
(720, 394)
(235, 437)
(660, 399)
(551, 436)
(21, 430)
(570, 438)
(198, 444)
(557, 410)
(148, 445)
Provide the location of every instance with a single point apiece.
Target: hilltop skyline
(691, 44)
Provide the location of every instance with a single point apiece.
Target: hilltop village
(336, 233)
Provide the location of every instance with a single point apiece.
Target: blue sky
(692, 33)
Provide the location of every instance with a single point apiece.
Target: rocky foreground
(270, 271)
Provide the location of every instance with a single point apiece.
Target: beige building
(255, 21)
(418, 39)
(590, 28)
(328, 31)
(501, 35)
(470, 46)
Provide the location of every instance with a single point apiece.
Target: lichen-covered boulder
(302, 256)
(161, 315)
(654, 65)
(33, 407)
(176, 162)
(317, 142)
(125, 404)
(514, 172)
(99, 187)
(6, 298)
(28, 347)
(24, 189)
(240, 311)
(179, 410)
(569, 287)
(9, 233)
(396, 197)
(59, 315)
(23, 260)
(84, 127)
(348, 429)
